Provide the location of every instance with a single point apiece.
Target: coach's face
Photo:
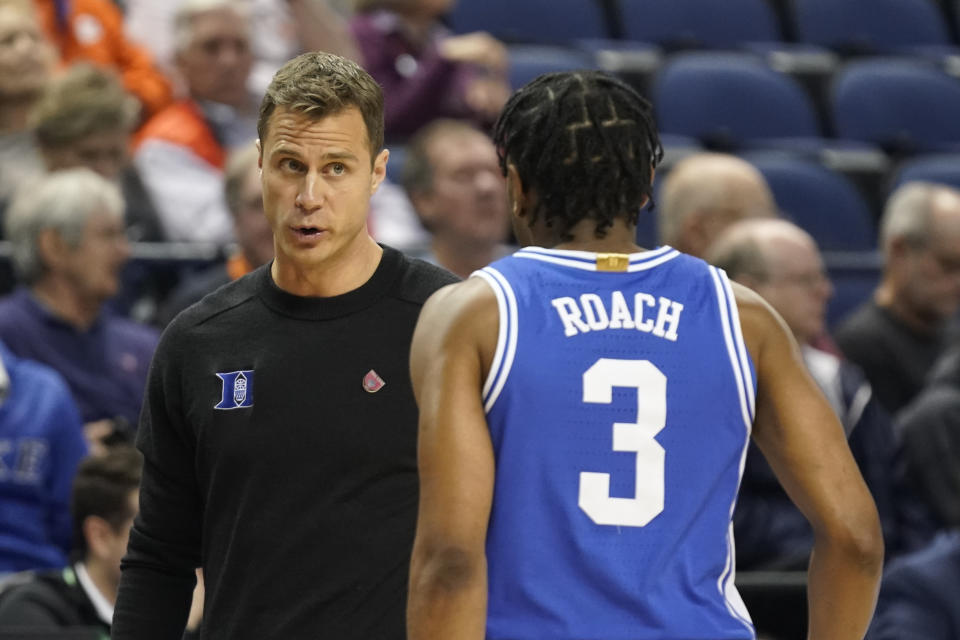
(317, 181)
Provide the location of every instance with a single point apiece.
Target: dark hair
(102, 488)
(321, 84)
(585, 142)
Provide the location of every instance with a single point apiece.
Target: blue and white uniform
(620, 402)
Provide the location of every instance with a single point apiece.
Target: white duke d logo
(237, 391)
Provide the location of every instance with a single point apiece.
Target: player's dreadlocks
(585, 142)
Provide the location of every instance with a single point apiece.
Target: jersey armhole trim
(506, 336)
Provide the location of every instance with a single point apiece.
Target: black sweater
(298, 495)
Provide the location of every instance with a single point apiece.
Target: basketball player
(585, 409)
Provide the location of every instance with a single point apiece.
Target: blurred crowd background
(812, 151)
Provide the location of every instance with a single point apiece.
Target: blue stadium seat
(729, 99)
(821, 201)
(902, 105)
(942, 168)
(531, 21)
(699, 23)
(871, 26)
(852, 286)
(529, 61)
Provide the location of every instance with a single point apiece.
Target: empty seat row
(863, 26)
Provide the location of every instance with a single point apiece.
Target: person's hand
(479, 48)
(486, 95)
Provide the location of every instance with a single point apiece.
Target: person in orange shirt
(93, 30)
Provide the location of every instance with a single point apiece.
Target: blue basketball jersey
(620, 403)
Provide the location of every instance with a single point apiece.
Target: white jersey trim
(506, 337)
(733, 337)
(587, 260)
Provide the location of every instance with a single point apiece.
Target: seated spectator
(26, 62)
(930, 427)
(426, 72)
(919, 594)
(285, 29)
(41, 444)
(69, 246)
(896, 337)
(781, 262)
(181, 151)
(92, 30)
(704, 194)
(251, 228)
(85, 119)
(452, 176)
(103, 504)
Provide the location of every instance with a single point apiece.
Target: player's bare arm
(805, 445)
(452, 348)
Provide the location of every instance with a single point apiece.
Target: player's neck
(620, 237)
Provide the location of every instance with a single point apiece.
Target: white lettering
(667, 319)
(639, 301)
(620, 317)
(570, 315)
(595, 313)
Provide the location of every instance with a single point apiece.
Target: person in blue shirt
(586, 407)
(41, 444)
(68, 249)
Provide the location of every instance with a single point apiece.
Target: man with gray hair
(782, 263)
(897, 335)
(704, 194)
(181, 152)
(69, 247)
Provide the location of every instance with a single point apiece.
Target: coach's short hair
(320, 84)
(62, 201)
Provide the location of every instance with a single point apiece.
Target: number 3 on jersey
(647, 501)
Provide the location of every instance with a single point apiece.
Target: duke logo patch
(237, 391)
(372, 382)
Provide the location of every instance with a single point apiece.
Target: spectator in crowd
(897, 335)
(285, 28)
(26, 62)
(182, 150)
(426, 72)
(92, 30)
(919, 593)
(85, 119)
(251, 228)
(452, 176)
(82, 594)
(41, 444)
(69, 245)
(781, 262)
(930, 428)
(704, 194)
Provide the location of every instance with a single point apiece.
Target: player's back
(619, 405)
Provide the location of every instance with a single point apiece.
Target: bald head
(704, 194)
(782, 263)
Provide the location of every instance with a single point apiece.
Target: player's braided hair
(585, 142)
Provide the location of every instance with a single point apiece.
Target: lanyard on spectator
(4, 382)
(63, 13)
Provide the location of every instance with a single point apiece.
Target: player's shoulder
(419, 279)
(461, 306)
